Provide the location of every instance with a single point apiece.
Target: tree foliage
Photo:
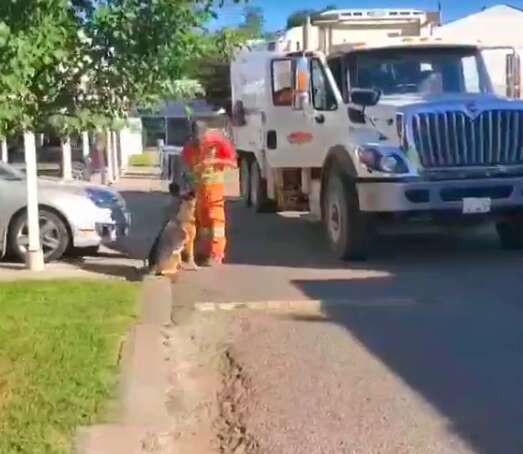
(70, 64)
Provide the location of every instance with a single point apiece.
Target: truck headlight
(377, 160)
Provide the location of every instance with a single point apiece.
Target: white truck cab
(400, 126)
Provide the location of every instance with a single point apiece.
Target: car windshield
(427, 71)
(9, 173)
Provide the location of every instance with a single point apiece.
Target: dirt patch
(232, 400)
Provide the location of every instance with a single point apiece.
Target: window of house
(282, 76)
(322, 95)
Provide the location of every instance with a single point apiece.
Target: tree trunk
(67, 159)
(5, 154)
(34, 257)
(85, 145)
(110, 158)
(116, 160)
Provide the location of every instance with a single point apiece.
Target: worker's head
(198, 130)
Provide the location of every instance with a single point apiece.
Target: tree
(69, 64)
(298, 18)
(253, 22)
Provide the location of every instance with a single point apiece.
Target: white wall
(131, 140)
(497, 26)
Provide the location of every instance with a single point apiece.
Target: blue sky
(276, 11)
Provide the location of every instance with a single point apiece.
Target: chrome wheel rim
(49, 236)
(334, 217)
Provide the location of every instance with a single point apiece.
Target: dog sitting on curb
(176, 241)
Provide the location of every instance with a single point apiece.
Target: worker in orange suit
(208, 154)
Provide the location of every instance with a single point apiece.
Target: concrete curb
(303, 306)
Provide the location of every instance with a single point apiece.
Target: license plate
(477, 205)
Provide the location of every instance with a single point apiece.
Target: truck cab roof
(401, 42)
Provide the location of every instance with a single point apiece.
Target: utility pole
(35, 256)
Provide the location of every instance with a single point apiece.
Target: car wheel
(245, 180)
(54, 236)
(346, 226)
(259, 199)
(510, 233)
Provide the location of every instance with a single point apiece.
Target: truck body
(402, 126)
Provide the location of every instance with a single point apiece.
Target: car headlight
(101, 198)
(377, 160)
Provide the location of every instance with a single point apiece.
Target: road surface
(424, 355)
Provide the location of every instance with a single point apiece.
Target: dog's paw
(191, 266)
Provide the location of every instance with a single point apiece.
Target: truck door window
(470, 75)
(282, 74)
(336, 68)
(322, 95)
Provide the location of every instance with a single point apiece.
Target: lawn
(59, 343)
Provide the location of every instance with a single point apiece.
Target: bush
(146, 159)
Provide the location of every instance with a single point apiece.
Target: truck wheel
(510, 233)
(347, 227)
(258, 198)
(245, 181)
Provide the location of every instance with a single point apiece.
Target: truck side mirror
(365, 97)
(301, 95)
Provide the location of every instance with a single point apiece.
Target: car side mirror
(365, 97)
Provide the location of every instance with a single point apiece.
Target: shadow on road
(452, 333)
(273, 240)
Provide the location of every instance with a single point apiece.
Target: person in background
(208, 153)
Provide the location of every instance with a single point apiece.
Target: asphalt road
(425, 355)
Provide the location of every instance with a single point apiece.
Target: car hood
(72, 187)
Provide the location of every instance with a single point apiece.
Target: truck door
(298, 137)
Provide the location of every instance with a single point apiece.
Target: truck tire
(346, 226)
(510, 233)
(245, 180)
(258, 186)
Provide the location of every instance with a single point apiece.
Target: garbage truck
(364, 119)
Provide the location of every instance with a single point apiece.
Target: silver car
(72, 215)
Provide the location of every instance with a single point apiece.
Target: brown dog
(176, 239)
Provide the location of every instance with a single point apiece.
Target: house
(496, 26)
(170, 122)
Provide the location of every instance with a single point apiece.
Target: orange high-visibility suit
(207, 163)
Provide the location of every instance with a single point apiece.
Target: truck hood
(383, 115)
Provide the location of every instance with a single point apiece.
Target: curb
(305, 306)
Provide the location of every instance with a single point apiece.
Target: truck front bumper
(421, 195)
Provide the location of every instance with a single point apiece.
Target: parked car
(72, 215)
(49, 159)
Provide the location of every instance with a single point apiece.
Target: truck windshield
(427, 71)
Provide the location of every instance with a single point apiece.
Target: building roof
(499, 25)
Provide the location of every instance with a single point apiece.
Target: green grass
(59, 343)
(145, 159)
